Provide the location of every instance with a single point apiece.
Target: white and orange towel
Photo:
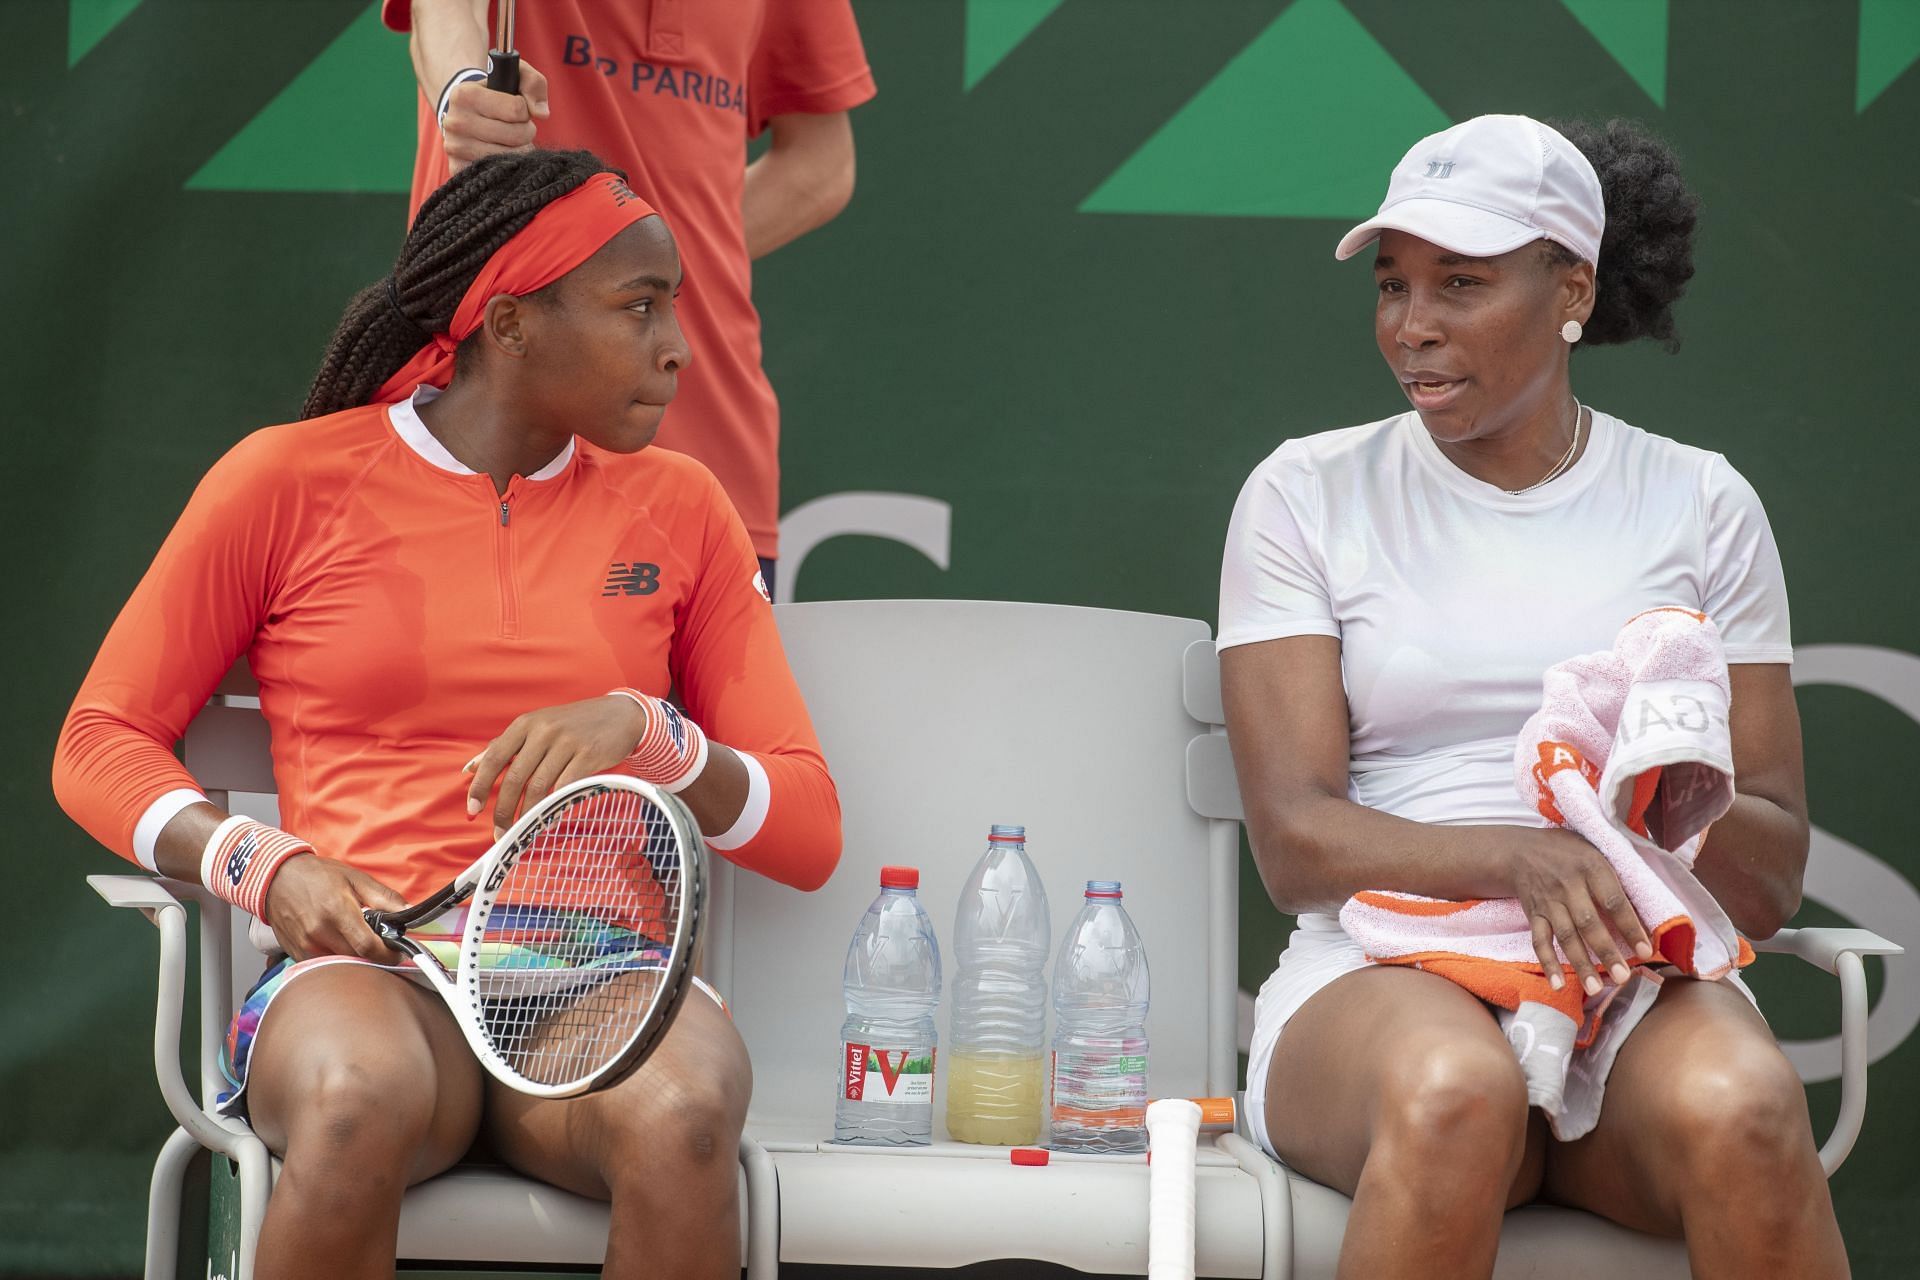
(1631, 750)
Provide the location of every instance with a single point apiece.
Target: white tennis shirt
(1451, 598)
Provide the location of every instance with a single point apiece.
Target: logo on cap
(1439, 168)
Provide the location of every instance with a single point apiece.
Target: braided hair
(1646, 254)
(456, 231)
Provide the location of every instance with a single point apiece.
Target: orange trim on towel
(1558, 757)
(1406, 907)
(1644, 788)
(1502, 983)
(1673, 942)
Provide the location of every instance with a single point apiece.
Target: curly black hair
(456, 231)
(1646, 255)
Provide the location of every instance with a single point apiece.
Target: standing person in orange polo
(671, 91)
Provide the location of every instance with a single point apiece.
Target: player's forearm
(803, 181)
(447, 36)
(1753, 863)
(717, 796)
(1315, 851)
(183, 841)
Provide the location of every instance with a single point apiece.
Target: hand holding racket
(566, 949)
(318, 907)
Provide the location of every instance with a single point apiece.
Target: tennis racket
(503, 60)
(566, 950)
(1173, 1132)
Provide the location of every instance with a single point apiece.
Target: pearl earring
(1571, 331)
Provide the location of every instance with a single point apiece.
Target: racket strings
(578, 948)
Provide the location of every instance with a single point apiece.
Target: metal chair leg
(763, 1211)
(163, 1205)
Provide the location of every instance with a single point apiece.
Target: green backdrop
(1086, 283)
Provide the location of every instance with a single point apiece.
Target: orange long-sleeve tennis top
(398, 613)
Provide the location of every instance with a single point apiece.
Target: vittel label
(902, 1075)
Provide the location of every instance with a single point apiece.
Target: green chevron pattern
(1635, 33)
(1303, 123)
(994, 29)
(1889, 44)
(343, 124)
(89, 21)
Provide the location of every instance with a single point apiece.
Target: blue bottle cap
(1103, 888)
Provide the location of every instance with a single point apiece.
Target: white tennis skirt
(1318, 952)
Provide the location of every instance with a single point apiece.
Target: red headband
(561, 237)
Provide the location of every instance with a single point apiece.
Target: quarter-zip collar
(413, 432)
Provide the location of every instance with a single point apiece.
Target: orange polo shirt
(670, 91)
(399, 613)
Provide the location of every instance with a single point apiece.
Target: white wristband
(465, 75)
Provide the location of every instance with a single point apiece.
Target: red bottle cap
(899, 877)
(1027, 1155)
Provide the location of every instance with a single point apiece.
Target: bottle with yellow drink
(1002, 935)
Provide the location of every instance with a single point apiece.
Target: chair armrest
(1838, 951)
(1823, 948)
(145, 893)
(157, 900)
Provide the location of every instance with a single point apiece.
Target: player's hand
(483, 122)
(551, 747)
(314, 905)
(1571, 894)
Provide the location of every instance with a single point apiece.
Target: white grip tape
(1173, 1132)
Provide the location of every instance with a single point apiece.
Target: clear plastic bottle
(1001, 934)
(887, 1044)
(1100, 1030)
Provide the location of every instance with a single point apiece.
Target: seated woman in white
(1391, 596)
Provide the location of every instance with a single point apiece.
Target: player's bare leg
(362, 1082)
(662, 1145)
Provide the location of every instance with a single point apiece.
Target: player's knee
(1732, 1113)
(688, 1130)
(1461, 1107)
(355, 1109)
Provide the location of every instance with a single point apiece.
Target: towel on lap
(1631, 750)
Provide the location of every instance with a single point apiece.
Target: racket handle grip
(381, 926)
(503, 71)
(1173, 1128)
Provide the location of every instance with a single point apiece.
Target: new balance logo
(635, 579)
(241, 856)
(1439, 168)
(675, 728)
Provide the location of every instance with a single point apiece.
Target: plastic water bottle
(1100, 1030)
(892, 986)
(1001, 933)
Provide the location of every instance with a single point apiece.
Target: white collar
(413, 433)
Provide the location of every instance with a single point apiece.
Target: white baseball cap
(1487, 186)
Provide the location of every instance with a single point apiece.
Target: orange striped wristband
(672, 749)
(241, 858)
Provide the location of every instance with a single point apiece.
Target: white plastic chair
(1539, 1239)
(472, 1214)
(939, 718)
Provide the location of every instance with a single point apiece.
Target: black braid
(1646, 255)
(457, 230)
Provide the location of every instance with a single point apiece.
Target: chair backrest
(939, 718)
(228, 750)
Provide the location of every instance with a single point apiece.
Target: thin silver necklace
(1579, 411)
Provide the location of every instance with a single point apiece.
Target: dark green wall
(1086, 283)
